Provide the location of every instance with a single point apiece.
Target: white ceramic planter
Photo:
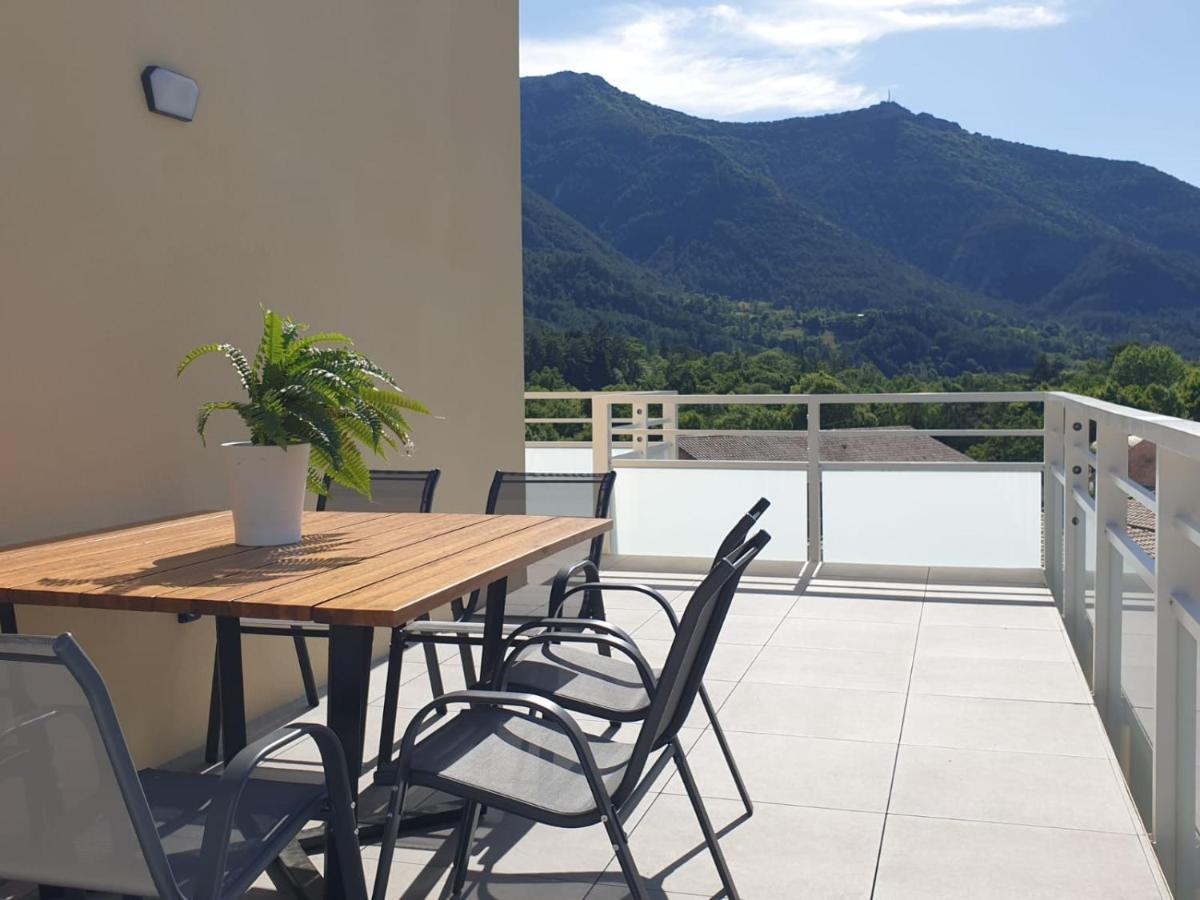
(266, 492)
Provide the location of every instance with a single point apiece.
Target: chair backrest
(391, 491)
(688, 658)
(737, 534)
(72, 810)
(584, 494)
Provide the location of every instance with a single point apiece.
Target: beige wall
(353, 164)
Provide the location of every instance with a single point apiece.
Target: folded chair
(526, 755)
(609, 687)
(392, 491)
(76, 814)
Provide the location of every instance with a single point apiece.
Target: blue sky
(1112, 78)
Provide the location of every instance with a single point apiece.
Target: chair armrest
(599, 640)
(554, 623)
(630, 588)
(558, 589)
(218, 824)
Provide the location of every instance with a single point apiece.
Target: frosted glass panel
(558, 459)
(563, 459)
(686, 512)
(987, 519)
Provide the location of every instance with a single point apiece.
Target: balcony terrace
(947, 681)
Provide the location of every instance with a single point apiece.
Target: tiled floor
(901, 738)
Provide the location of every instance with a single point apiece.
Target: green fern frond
(378, 397)
(207, 409)
(195, 354)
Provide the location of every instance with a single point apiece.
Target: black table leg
(233, 692)
(348, 684)
(349, 681)
(493, 631)
(8, 619)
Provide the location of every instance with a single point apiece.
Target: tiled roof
(1141, 524)
(896, 444)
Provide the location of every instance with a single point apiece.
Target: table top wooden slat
(377, 567)
(386, 569)
(94, 567)
(327, 547)
(394, 602)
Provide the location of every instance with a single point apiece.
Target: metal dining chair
(524, 754)
(583, 494)
(76, 814)
(609, 687)
(391, 491)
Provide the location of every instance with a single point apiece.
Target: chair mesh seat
(269, 813)
(581, 679)
(502, 757)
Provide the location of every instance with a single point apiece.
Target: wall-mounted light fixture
(169, 93)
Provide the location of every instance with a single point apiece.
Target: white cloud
(760, 57)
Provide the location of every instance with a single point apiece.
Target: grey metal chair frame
(466, 634)
(227, 790)
(673, 694)
(299, 633)
(519, 638)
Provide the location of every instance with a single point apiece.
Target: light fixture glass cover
(170, 93)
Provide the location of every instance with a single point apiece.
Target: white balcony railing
(1133, 614)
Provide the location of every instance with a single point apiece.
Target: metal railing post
(1075, 468)
(1177, 575)
(602, 454)
(670, 428)
(601, 433)
(1052, 508)
(814, 481)
(641, 437)
(1112, 458)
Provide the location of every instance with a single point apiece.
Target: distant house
(1143, 463)
(894, 444)
(1143, 467)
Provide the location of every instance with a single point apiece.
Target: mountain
(664, 216)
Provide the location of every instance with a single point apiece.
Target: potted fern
(312, 403)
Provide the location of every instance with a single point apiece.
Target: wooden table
(353, 572)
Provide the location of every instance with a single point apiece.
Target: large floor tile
(855, 607)
(993, 643)
(1000, 678)
(762, 603)
(839, 713)
(985, 610)
(408, 881)
(832, 634)
(1016, 788)
(937, 859)
(831, 668)
(509, 845)
(718, 693)
(736, 629)
(613, 888)
(780, 851)
(798, 771)
(730, 662)
(882, 575)
(1069, 729)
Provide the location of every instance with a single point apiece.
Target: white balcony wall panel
(977, 519)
